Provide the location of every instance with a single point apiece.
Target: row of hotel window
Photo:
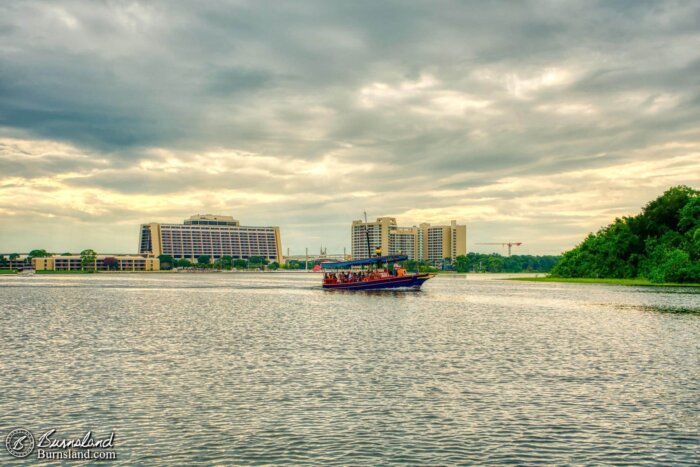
(269, 238)
(199, 244)
(269, 241)
(219, 253)
(209, 228)
(218, 245)
(217, 239)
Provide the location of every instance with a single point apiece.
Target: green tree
(38, 254)
(13, 256)
(257, 261)
(166, 262)
(88, 258)
(203, 260)
(425, 266)
(226, 262)
(666, 265)
(480, 262)
(183, 263)
(240, 263)
(662, 243)
(689, 218)
(663, 214)
(689, 226)
(462, 263)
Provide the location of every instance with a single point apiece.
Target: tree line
(472, 262)
(661, 244)
(226, 262)
(493, 262)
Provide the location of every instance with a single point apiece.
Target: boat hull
(413, 281)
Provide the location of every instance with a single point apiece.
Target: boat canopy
(363, 262)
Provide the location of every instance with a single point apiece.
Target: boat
(352, 275)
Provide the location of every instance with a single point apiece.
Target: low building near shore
(101, 263)
(16, 264)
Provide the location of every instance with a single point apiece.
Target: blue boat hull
(413, 281)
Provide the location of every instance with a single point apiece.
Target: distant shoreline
(253, 271)
(527, 276)
(481, 275)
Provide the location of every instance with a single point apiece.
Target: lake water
(268, 368)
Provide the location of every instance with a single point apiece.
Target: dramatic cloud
(530, 121)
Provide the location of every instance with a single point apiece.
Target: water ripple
(222, 369)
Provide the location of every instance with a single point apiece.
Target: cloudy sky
(529, 121)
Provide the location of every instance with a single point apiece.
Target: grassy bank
(8, 271)
(585, 280)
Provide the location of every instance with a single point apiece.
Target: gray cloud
(421, 96)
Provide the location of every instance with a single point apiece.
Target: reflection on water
(395, 293)
(269, 368)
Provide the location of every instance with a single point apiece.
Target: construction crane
(510, 244)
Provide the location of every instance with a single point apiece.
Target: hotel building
(211, 235)
(432, 243)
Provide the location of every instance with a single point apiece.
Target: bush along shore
(661, 245)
